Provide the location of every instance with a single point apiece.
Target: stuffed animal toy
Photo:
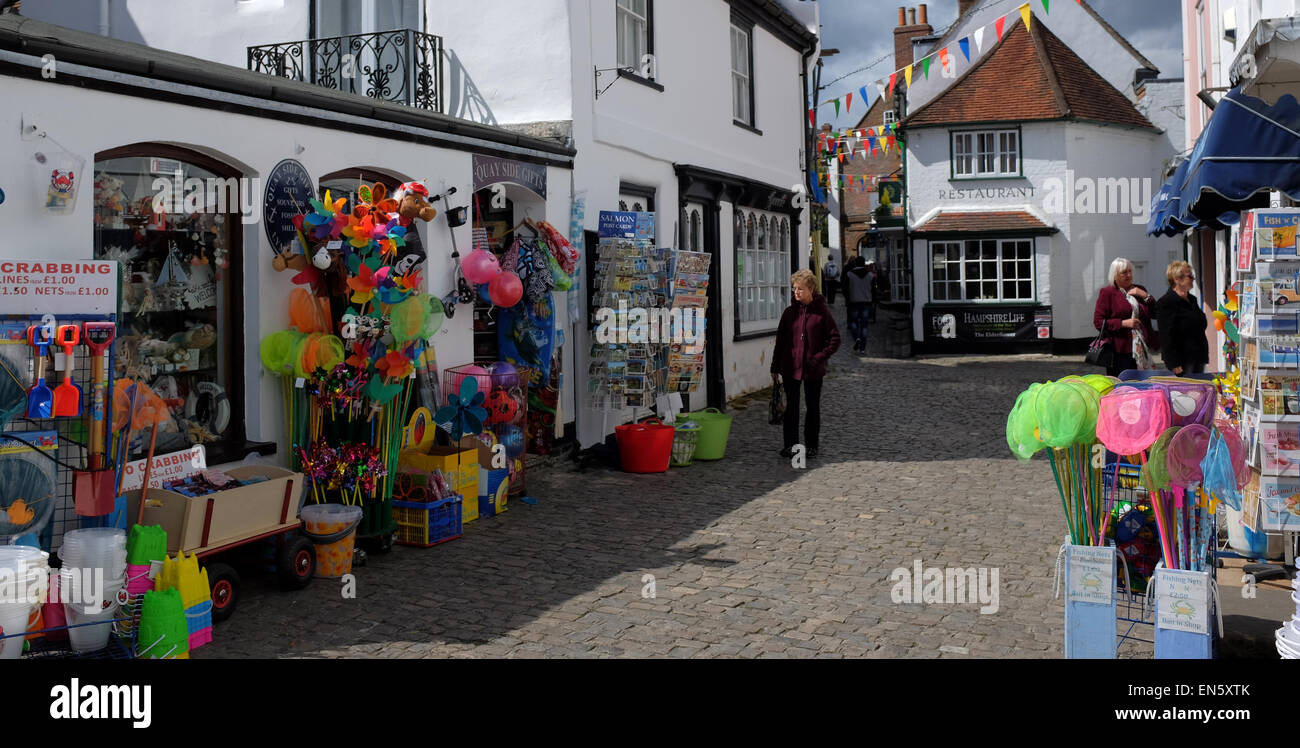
(413, 202)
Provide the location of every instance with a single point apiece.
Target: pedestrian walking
(1123, 316)
(858, 297)
(831, 279)
(1183, 345)
(805, 341)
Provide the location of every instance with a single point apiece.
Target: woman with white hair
(1123, 317)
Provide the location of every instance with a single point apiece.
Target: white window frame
(762, 268)
(983, 154)
(742, 78)
(631, 26)
(971, 270)
(890, 117)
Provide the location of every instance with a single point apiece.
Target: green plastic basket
(685, 439)
(715, 427)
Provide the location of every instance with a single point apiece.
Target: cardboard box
(459, 468)
(237, 514)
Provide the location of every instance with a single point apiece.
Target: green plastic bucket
(715, 426)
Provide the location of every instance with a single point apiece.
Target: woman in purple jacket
(805, 341)
(1123, 314)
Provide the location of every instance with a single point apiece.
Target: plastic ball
(506, 290)
(501, 407)
(473, 370)
(480, 266)
(504, 374)
(513, 437)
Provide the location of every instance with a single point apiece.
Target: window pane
(1026, 290)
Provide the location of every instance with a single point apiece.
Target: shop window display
(172, 222)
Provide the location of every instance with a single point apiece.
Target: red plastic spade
(67, 396)
(40, 399)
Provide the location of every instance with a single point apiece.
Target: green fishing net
(1022, 425)
(330, 353)
(1155, 474)
(1063, 415)
(277, 351)
(416, 318)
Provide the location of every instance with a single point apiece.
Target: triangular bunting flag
(812, 117)
(837, 107)
(1026, 14)
(998, 25)
(1047, 8)
(880, 86)
(907, 76)
(925, 66)
(862, 93)
(965, 47)
(848, 102)
(979, 40)
(893, 81)
(943, 58)
(871, 141)
(841, 158)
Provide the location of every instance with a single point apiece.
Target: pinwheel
(363, 285)
(464, 412)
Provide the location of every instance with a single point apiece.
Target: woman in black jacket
(1182, 323)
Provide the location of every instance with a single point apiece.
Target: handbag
(1101, 352)
(776, 406)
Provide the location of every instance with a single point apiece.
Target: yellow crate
(459, 466)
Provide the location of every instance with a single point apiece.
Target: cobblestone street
(750, 557)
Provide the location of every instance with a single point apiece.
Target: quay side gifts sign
(34, 286)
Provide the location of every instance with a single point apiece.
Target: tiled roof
(1031, 75)
(982, 222)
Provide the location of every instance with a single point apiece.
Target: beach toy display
(164, 633)
(184, 575)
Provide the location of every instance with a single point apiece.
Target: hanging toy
(413, 202)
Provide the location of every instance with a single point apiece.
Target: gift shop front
(287, 267)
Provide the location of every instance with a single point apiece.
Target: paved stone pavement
(750, 557)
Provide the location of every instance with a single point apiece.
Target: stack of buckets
(333, 558)
(146, 547)
(1288, 637)
(164, 633)
(184, 575)
(94, 571)
(29, 568)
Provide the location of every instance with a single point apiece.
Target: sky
(863, 31)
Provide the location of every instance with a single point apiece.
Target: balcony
(401, 67)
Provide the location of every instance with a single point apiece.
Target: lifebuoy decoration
(218, 407)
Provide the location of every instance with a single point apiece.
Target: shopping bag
(776, 407)
(1101, 352)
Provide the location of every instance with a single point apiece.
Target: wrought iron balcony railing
(403, 67)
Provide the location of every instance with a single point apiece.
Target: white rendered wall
(1071, 265)
(87, 121)
(216, 30)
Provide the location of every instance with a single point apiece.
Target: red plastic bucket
(645, 447)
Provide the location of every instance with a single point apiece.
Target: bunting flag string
(886, 86)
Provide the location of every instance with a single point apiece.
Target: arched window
(344, 183)
(181, 329)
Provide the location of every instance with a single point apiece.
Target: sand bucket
(333, 528)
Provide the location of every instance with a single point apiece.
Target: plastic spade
(98, 336)
(40, 399)
(67, 396)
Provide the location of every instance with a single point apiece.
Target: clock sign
(288, 192)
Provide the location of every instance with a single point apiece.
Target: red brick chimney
(964, 5)
(909, 27)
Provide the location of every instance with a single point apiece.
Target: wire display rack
(1135, 602)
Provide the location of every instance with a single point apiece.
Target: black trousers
(813, 423)
(1123, 362)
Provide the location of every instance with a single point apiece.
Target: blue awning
(1165, 206)
(1247, 149)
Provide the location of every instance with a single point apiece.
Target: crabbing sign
(35, 286)
(165, 467)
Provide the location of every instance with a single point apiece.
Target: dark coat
(1111, 311)
(1182, 331)
(805, 340)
